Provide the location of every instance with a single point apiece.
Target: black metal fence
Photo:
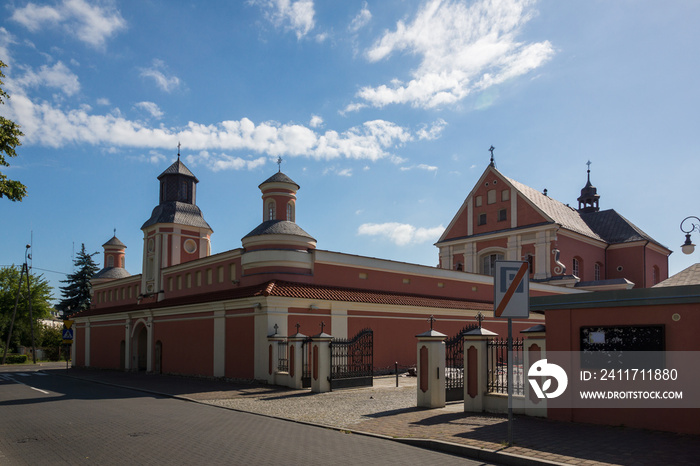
(497, 365)
(352, 360)
(454, 365)
(306, 363)
(282, 360)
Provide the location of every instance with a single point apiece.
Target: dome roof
(279, 177)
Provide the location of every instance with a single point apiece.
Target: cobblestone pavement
(391, 412)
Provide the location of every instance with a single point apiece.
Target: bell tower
(176, 232)
(588, 200)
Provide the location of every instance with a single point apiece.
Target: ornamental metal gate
(497, 366)
(306, 363)
(352, 360)
(454, 365)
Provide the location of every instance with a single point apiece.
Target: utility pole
(25, 271)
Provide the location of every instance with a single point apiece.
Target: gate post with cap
(431, 369)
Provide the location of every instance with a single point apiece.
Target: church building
(584, 248)
(191, 312)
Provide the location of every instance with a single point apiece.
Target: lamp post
(688, 247)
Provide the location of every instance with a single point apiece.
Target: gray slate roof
(111, 273)
(178, 168)
(614, 228)
(278, 227)
(178, 212)
(279, 177)
(689, 276)
(114, 242)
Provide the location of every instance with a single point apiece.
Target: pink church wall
(106, 344)
(240, 345)
(187, 346)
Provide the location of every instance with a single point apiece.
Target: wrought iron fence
(352, 360)
(497, 366)
(454, 365)
(306, 363)
(282, 361)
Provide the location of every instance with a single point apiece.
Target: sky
(382, 111)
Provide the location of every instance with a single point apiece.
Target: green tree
(50, 338)
(41, 305)
(76, 295)
(9, 139)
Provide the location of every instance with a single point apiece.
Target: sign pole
(510, 382)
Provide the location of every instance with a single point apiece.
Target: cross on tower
(491, 149)
(479, 318)
(431, 320)
(279, 163)
(178, 150)
(297, 326)
(275, 327)
(322, 324)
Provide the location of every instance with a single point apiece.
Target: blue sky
(383, 112)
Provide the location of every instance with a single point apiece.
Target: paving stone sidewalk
(390, 411)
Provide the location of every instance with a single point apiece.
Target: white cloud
(401, 234)
(92, 24)
(316, 121)
(463, 48)
(361, 20)
(422, 166)
(103, 101)
(434, 132)
(157, 72)
(151, 108)
(57, 76)
(297, 16)
(45, 124)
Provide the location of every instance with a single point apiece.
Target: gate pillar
(296, 359)
(431, 369)
(476, 368)
(273, 344)
(534, 349)
(321, 363)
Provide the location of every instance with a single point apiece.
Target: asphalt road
(53, 420)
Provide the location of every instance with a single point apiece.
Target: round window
(190, 246)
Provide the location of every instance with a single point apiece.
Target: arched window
(655, 275)
(578, 267)
(488, 263)
(290, 212)
(596, 271)
(110, 261)
(271, 211)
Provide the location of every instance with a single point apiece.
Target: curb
(441, 446)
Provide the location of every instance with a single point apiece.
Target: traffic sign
(511, 289)
(67, 335)
(68, 323)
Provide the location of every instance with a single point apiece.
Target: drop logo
(543, 369)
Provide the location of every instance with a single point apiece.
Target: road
(50, 419)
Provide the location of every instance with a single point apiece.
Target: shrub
(16, 359)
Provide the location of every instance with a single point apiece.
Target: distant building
(584, 248)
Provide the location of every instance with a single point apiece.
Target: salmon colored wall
(563, 334)
(491, 210)
(349, 277)
(494, 243)
(240, 344)
(309, 321)
(458, 259)
(79, 342)
(589, 254)
(105, 346)
(188, 347)
(655, 258)
(395, 334)
(632, 261)
(215, 285)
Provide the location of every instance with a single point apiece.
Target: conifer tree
(76, 294)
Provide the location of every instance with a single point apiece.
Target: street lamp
(688, 247)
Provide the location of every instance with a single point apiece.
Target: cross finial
(589, 170)
(275, 327)
(479, 318)
(178, 150)
(491, 149)
(297, 326)
(431, 320)
(115, 232)
(279, 163)
(322, 324)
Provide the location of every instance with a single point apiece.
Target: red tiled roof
(285, 289)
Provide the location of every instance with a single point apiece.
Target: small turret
(588, 200)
